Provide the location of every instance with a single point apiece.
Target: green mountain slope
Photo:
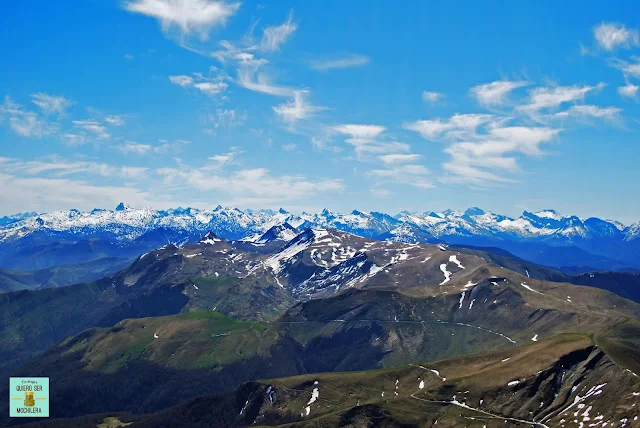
(59, 276)
(563, 380)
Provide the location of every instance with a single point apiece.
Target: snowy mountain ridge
(126, 223)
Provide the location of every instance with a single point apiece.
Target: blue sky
(308, 104)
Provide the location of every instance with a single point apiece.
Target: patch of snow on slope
(535, 338)
(291, 250)
(455, 260)
(447, 274)
(513, 383)
(531, 289)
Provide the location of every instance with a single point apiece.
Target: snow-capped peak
(210, 238)
(550, 214)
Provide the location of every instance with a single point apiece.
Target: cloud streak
(348, 61)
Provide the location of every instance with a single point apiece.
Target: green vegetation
(58, 276)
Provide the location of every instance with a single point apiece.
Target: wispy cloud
(45, 194)
(98, 130)
(482, 147)
(114, 120)
(324, 144)
(289, 147)
(431, 97)
(612, 35)
(60, 167)
(163, 147)
(273, 37)
(249, 183)
(552, 97)
(260, 82)
(360, 132)
(23, 122)
(227, 118)
(629, 69)
(607, 113)
(181, 80)
(51, 104)
(399, 158)
(185, 16)
(456, 127)
(296, 109)
(407, 174)
(364, 139)
(347, 61)
(496, 93)
(629, 91)
(211, 86)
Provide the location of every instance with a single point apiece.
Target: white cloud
(349, 61)
(94, 127)
(130, 147)
(552, 97)
(324, 144)
(208, 86)
(224, 159)
(289, 147)
(188, 16)
(249, 183)
(259, 82)
(458, 126)
(408, 174)
(364, 139)
(211, 88)
(128, 57)
(398, 158)
(227, 118)
(431, 97)
(296, 109)
(51, 104)
(59, 167)
(629, 69)
(181, 80)
(611, 35)
(275, 36)
(164, 146)
(24, 122)
(47, 194)
(629, 91)
(73, 140)
(241, 56)
(114, 120)
(360, 132)
(609, 113)
(482, 146)
(495, 93)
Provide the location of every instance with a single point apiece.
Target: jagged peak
(210, 238)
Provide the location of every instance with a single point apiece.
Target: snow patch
(447, 274)
(455, 260)
(530, 289)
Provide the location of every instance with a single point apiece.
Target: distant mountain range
(546, 237)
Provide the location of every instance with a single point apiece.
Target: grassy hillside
(13, 280)
(541, 384)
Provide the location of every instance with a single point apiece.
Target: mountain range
(569, 243)
(207, 316)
